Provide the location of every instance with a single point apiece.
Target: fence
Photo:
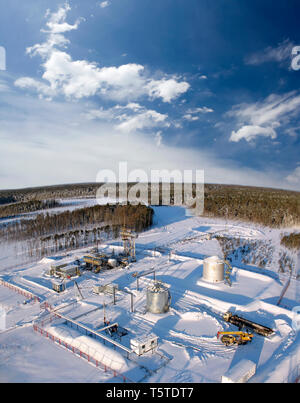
(77, 351)
(20, 290)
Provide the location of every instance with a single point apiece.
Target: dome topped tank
(158, 298)
(213, 270)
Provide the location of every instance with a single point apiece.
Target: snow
(240, 373)
(188, 348)
(105, 355)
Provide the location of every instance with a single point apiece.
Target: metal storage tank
(158, 298)
(213, 270)
(112, 262)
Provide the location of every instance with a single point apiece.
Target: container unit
(58, 287)
(240, 373)
(213, 270)
(158, 298)
(93, 261)
(64, 270)
(69, 271)
(142, 346)
(55, 268)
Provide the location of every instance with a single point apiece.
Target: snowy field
(188, 348)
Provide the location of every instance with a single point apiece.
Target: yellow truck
(231, 338)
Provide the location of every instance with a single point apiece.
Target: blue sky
(170, 84)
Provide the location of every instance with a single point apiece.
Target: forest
(270, 207)
(15, 209)
(291, 241)
(138, 218)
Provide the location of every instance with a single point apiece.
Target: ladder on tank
(228, 272)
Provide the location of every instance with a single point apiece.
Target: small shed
(69, 271)
(143, 345)
(58, 287)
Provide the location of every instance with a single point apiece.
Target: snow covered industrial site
(152, 307)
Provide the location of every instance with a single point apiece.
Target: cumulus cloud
(251, 132)
(57, 21)
(261, 119)
(167, 89)
(143, 120)
(54, 151)
(81, 78)
(130, 118)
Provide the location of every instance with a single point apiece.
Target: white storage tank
(158, 298)
(112, 262)
(213, 270)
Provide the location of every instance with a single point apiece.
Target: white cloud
(192, 114)
(251, 132)
(190, 117)
(104, 4)
(57, 22)
(204, 109)
(263, 118)
(294, 177)
(279, 54)
(40, 87)
(130, 118)
(54, 151)
(167, 89)
(81, 78)
(143, 120)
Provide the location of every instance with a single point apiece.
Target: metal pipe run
(139, 275)
(131, 298)
(87, 329)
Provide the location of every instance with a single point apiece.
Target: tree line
(269, 207)
(138, 218)
(291, 241)
(15, 209)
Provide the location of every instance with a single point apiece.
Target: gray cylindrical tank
(158, 299)
(213, 270)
